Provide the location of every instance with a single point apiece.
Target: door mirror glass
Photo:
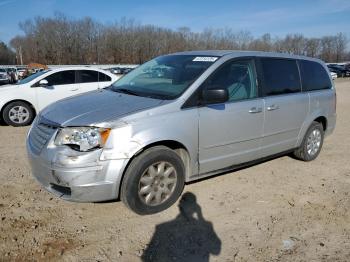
(43, 83)
(215, 95)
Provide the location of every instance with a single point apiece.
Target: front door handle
(272, 107)
(255, 110)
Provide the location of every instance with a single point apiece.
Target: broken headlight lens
(82, 138)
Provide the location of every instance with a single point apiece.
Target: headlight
(82, 138)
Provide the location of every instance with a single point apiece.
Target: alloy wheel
(157, 183)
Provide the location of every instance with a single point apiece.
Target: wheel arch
(178, 147)
(320, 118)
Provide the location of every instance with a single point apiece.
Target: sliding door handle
(272, 107)
(255, 110)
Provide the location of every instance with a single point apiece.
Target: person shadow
(188, 237)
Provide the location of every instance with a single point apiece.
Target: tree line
(61, 40)
(7, 56)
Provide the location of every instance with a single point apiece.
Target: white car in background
(20, 103)
(333, 75)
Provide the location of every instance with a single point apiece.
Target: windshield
(2, 70)
(31, 77)
(165, 77)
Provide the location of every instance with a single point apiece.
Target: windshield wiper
(142, 94)
(126, 91)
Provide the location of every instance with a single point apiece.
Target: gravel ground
(279, 210)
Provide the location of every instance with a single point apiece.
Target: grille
(40, 135)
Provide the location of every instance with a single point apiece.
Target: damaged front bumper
(76, 176)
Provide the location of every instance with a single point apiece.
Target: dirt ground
(279, 210)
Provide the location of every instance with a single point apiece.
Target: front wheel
(312, 143)
(153, 181)
(18, 114)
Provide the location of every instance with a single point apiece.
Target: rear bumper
(331, 122)
(76, 176)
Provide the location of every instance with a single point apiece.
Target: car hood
(95, 107)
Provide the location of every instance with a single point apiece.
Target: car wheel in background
(18, 114)
(153, 181)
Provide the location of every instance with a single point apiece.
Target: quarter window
(61, 78)
(281, 76)
(314, 76)
(238, 77)
(103, 77)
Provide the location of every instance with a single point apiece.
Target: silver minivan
(178, 118)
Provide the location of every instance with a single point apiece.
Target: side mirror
(215, 95)
(43, 83)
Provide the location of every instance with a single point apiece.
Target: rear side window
(88, 76)
(314, 76)
(61, 78)
(281, 76)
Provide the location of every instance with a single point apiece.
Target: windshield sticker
(205, 59)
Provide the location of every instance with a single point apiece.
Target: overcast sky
(312, 18)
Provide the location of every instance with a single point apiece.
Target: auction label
(205, 59)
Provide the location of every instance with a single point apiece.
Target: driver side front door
(230, 133)
(60, 85)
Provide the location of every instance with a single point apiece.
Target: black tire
(131, 181)
(7, 111)
(302, 152)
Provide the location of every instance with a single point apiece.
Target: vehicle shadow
(188, 237)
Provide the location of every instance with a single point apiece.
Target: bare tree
(340, 47)
(312, 47)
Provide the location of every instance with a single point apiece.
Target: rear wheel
(18, 114)
(312, 143)
(153, 181)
